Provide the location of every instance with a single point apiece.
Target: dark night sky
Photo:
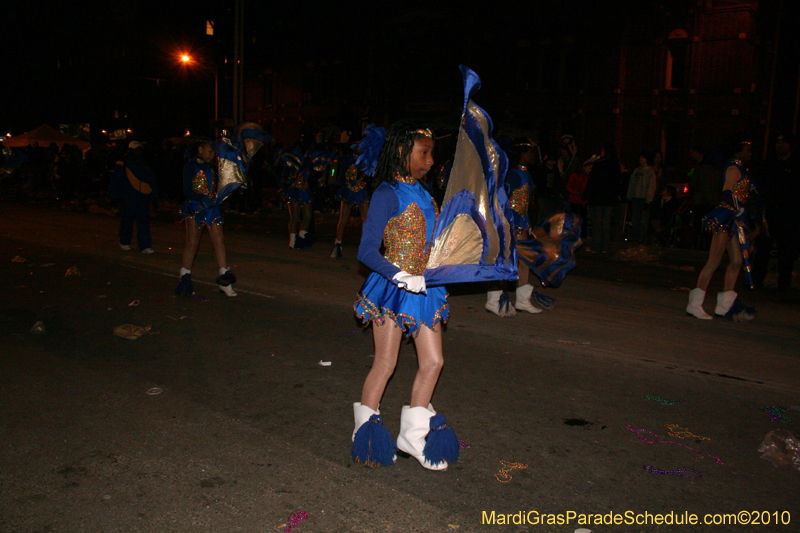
(65, 62)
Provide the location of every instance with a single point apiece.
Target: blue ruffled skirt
(349, 197)
(720, 219)
(380, 299)
(202, 217)
(293, 194)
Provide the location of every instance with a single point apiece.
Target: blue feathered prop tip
(185, 287)
(442, 444)
(739, 312)
(370, 149)
(373, 446)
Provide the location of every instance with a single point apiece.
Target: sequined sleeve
(382, 208)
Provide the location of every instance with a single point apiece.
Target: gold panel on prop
(459, 243)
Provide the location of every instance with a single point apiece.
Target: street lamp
(186, 59)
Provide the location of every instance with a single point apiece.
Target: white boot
(695, 307)
(724, 302)
(225, 280)
(523, 302)
(500, 304)
(414, 428)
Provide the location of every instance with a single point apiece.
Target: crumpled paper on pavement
(780, 447)
(636, 254)
(131, 332)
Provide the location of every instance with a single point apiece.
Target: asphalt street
(221, 417)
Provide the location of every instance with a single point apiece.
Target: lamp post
(186, 59)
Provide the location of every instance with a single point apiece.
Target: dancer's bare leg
(719, 242)
(307, 214)
(734, 264)
(387, 339)
(193, 233)
(215, 231)
(294, 216)
(344, 215)
(431, 359)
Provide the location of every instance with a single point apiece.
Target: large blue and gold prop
(234, 156)
(550, 252)
(473, 239)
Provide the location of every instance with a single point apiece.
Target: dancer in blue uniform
(395, 299)
(729, 224)
(297, 193)
(353, 193)
(524, 154)
(201, 210)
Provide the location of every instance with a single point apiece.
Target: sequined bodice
(408, 234)
(354, 182)
(519, 199)
(202, 183)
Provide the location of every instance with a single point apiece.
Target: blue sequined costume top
(722, 218)
(402, 216)
(200, 190)
(354, 191)
(518, 187)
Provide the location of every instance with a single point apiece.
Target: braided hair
(397, 150)
(194, 147)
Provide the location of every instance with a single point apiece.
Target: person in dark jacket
(602, 194)
(134, 185)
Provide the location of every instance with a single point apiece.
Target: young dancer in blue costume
(728, 222)
(298, 196)
(395, 299)
(200, 210)
(524, 154)
(353, 192)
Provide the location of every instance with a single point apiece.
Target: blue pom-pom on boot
(373, 445)
(442, 444)
(185, 286)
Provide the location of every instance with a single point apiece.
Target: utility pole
(238, 60)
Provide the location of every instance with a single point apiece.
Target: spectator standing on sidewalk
(135, 186)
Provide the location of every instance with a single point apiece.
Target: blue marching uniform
(354, 191)
(402, 216)
(135, 200)
(519, 185)
(200, 190)
(723, 217)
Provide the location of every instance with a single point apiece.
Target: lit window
(209, 27)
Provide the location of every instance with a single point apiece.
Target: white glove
(415, 284)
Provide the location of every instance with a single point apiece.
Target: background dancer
(728, 222)
(199, 211)
(353, 193)
(524, 154)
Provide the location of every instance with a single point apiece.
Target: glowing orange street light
(187, 59)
